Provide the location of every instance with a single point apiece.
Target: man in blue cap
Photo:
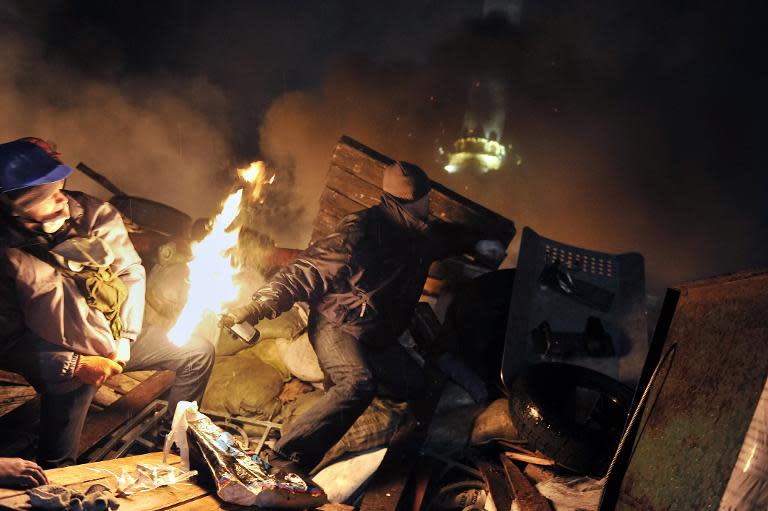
(72, 298)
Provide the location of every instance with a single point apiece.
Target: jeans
(192, 363)
(64, 404)
(355, 373)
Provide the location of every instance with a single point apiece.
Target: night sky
(640, 124)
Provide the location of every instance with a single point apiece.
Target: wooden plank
(105, 422)
(443, 206)
(359, 162)
(496, 481)
(187, 496)
(10, 393)
(105, 396)
(140, 375)
(204, 503)
(178, 496)
(10, 377)
(123, 383)
(24, 417)
(92, 471)
(81, 477)
(14, 396)
(353, 187)
(368, 166)
(527, 496)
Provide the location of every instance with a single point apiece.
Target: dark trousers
(355, 373)
(64, 404)
(192, 363)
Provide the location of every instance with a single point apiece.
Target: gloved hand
(491, 251)
(54, 496)
(99, 498)
(123, 354)
(251, 312)
(463, 376)
(20, 473)
(95, 370)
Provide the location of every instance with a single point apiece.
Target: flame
(254, 176)
(211, 271)
(252, 171)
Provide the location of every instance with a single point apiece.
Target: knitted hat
(406, 181)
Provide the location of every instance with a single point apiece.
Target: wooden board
(187, 496)
(123, 383)
(105, 396)
(81, 477)
(9, 377)
(527, 496)
(355, 177)
(14, 396)
(496, 481)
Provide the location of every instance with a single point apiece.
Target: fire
(211, 272)
(255, 177)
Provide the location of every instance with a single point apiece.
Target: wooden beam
(101, 424)
(496, 481)
(527, 496)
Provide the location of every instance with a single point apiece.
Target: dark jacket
(368, 275)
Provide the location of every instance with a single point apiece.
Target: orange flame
(211, 270)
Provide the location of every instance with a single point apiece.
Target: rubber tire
(571, 414)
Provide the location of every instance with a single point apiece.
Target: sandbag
(343, 479)
(494, 423)
(239, 475)
(242, 385)
(266, 351)
(299, 357)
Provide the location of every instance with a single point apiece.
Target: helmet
(49, 146)
(24, 164)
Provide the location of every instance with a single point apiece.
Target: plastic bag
(148, 476)
(239, 475)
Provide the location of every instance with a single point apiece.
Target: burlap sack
(300, 358)
(242, 385)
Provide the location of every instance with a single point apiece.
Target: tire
(571, 414)
(152, 215)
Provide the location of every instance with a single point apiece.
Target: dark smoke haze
(638, 123)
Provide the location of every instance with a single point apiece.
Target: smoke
(639, 124)
(145, 136)
(617, 155)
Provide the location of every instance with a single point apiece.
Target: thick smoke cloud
(639, 123)
(619, 121)
(147, 137)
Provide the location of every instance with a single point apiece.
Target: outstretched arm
(309, 276)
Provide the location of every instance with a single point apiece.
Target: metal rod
(99, 178)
